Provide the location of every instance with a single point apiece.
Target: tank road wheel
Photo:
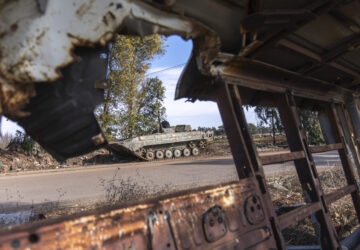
(202, 144)
(195, 151)
(186, 152)
(150, 155)
(192, 145)
(159, 154)
(177, 153)
(168, 154)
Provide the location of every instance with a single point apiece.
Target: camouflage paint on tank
(168, 138)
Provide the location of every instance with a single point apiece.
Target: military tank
(169, 142)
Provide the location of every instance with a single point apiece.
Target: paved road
(93, 183)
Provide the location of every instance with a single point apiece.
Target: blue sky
(200, 113)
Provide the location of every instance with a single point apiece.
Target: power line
(166, 69)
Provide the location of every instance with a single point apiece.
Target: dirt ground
(286, 193)
(15, 160)
(285, 189)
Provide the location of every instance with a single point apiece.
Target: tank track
(157, 152)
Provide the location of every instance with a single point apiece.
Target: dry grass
(285, 190)
(120, 189)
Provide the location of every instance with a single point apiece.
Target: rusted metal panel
(199, 220)
(279, 158)
(35, 43)
(318, 63)
(14, 98)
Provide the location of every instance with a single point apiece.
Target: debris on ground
(285, 190)
(15, 159)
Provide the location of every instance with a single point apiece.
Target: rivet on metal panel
(98, 139)
(254, 210)
(214, 224)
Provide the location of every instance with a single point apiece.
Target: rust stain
(169, 223)
(109, 17)
(79, 42)
(14, 97)
(39, 37)
(84, 8)
(98, 139)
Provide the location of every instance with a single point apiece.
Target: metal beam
(306, 169)
(347, 129)
(340, 193)
(316, 8)
(245, 155)
(353, 109)
(280, 158)
(344, 154)
(320, 60)
(245, 72)
(325, 148)
(298, 214)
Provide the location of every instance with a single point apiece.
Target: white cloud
(200, 113)
(180, 107)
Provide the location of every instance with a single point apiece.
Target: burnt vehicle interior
(285, 54)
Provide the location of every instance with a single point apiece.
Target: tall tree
(271, 117)
(133, 104)
(312, 127)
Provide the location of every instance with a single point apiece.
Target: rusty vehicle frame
(286, 54)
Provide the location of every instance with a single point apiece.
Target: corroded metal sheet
(212, 218)
(36, 41)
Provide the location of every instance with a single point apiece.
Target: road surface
(93, 183)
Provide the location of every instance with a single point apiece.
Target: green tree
(271, 117)
(133, 104)
(146, 112)
(312, 127)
